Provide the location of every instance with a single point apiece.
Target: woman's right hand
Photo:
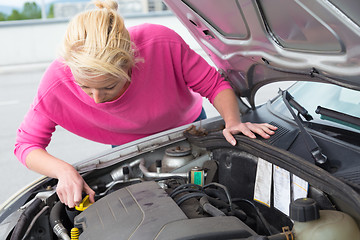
(71, 186)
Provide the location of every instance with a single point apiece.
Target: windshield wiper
(320, 159)
(339, 117)
(301, 110)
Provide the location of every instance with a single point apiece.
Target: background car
(190, 183)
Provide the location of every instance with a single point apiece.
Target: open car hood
(258, 42)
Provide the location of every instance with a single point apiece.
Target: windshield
(311, 95)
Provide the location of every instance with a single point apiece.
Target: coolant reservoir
(312, 224)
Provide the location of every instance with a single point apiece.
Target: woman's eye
(109, 88)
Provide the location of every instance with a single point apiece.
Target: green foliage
(51, 11)
(15, 15)
(2, 16)
(30, 10)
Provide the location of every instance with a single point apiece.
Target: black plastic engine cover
(145, 211)
(136, 212)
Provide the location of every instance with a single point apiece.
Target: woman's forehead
(97, 82)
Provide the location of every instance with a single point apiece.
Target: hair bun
(108, 4)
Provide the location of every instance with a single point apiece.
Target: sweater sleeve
(200, 76)
(34, 132)
(36, 129)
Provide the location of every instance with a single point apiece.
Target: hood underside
(258, 42)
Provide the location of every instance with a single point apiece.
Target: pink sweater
(161, 96)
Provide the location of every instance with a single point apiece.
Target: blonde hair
(97, 43)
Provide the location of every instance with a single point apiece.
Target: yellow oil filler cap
(85, 203)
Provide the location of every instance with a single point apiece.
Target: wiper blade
(301, 110)
(339, 117)
(320, 159)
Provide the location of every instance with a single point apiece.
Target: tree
(31, 11)
(3, 16)
(51, 11)
(15, 15)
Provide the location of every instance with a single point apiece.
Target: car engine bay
(196, 188)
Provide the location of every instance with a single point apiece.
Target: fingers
(265, 130)
(89, 192)
(260, 130)
(77, 197)
(248, 130)
(229, 137)
(269, 126)
(70, 191)
(69, 196)
(61, 196)
(65, 196)
(72, 198)
(268, 131)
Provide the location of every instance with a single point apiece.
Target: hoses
(56, 223)
(186, 187)
(25, 219)
(210, 209)
(221, 204)
(225, 190)
(33, 221)
(209, 204)
(188, 196)
(184, 190)
(191, 186)
(262, 219)
(171, 178)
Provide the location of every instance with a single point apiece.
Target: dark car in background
(190, 183)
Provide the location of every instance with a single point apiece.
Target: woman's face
(103, 89)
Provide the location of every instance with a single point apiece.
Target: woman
(114, 85)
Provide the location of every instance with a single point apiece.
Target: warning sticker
(300, 188)
(263, 181)
(281, 189)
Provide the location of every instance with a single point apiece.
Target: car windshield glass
(310, 95)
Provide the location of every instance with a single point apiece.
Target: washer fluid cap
(304, 210)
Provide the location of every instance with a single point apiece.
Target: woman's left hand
(226, 104)
(248, 129)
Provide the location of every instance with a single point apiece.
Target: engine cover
(137, 212)
(145, 211)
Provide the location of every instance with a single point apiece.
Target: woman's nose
(97, 95)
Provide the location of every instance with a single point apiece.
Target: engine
(146, 211)
(182, 191)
